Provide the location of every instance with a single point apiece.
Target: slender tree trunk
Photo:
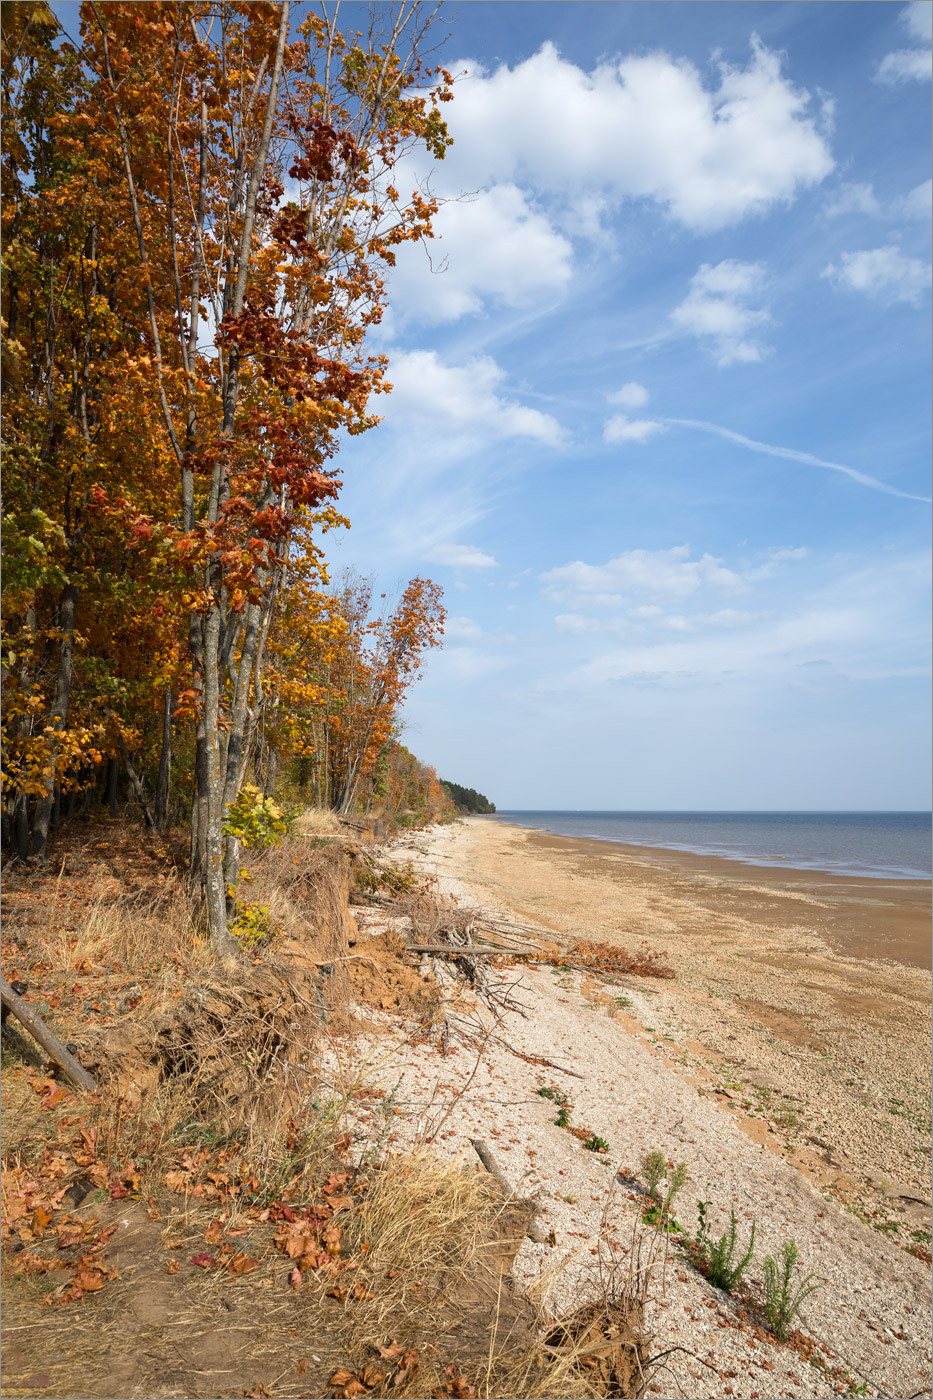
(19, 826)
(165, 764)
(59, 714)
(113, 775)
(215, 894)
(136, 784)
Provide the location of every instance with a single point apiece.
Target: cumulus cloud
(631, 395)
(622, 429)
(491, 246)
(913, 64)
(643, 126)
(464, 403)
(886, 274)
(550, 151)
(462, 556)
(719, 309)
(660, 573)
(462, 629)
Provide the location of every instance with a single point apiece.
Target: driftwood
(460, 950)
(50, 1043)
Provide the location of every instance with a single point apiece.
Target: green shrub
(594, 1143)
(784, 1295)
(654, 1166)
(253, 925)
(717, 1259)
(255, 821)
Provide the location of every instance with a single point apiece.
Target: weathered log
(470, 950)
(50, 1043)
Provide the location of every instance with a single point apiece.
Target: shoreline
(818, 1008)
(770, 1066)
(879, 918)
(772, 864)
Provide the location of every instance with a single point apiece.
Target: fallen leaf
(205, 1261)
(174, 1265)
(340, 1203)
(258, 1392)
(372, 1376)
(242, 1264)
(294, 1277)
(301, 1365)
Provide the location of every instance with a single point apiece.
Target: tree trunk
(59, 714)
(113, 774)
(136, 784)
(165, 764)
(215, 894)
(19, 826)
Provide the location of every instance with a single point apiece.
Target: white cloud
(462, 556)
(717, 309)
(905, 66)
(462, 629)
(631, 395)
(639, 619)
(883, 273)
(462, 403)
(915, 64)
(493, 245)
(468, 664)
(791, 454)
(642, 126)
(918, 17)
(660, 573)
(622, 429)
(917, 203)
(852, 199)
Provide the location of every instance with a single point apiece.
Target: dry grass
(317, 821)
(226, 1073)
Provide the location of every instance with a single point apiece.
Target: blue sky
(661, 417)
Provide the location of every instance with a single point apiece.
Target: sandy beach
(785, 1069)
(808, 994)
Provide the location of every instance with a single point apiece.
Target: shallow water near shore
(870, 845)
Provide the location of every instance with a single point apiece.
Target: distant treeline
(469, 798)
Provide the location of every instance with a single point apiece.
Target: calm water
(880, 845)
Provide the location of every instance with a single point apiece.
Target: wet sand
(809, 994)
(861, 917)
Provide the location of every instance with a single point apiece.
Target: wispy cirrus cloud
(791, 454)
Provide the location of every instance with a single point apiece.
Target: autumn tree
(234, 215)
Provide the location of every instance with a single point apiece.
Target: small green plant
(783, 1294)
(563, 1117)
(676, 1181)
(548, 1091)
(255, 821)
(622, 1002)
(253, 925)
(718, 1258)
(594, 1143)
(654, 1166)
